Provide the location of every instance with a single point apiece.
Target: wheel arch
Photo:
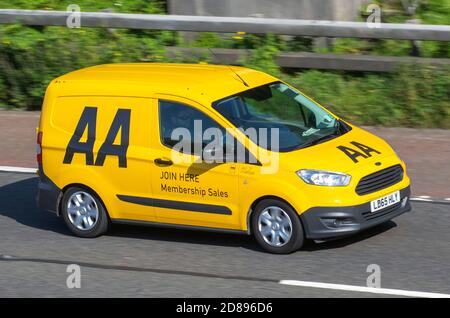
(82, 186)
(260, 199)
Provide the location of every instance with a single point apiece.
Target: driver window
(176, 117)
(201, 128)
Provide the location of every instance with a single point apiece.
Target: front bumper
(323, 223)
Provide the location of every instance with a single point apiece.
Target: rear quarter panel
(60, 117)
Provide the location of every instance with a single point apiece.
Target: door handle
(163, 162)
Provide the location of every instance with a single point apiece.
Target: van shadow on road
(18, 202)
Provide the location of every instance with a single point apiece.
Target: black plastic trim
(48, 195)
(177, 205)
(380, 180)
(177, 226)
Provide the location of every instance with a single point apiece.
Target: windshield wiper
(321, 140)
(337, 132)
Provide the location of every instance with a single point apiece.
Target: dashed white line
(362, 289)
(420, 199)
(432, 200)
(17, 169)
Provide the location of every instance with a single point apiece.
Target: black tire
(100, 226)
(297, 235)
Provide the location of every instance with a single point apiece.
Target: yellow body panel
(236, 186)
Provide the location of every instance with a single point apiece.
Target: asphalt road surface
(413, 252)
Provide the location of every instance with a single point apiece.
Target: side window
(175, 116)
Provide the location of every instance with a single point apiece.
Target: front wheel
(277, 227)
(83, 213)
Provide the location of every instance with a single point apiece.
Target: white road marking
(362, 289)
(421, 199)
(17, 169)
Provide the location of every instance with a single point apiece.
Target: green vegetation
(416, 96)
(428, 12)
(32, 56)
(413, 97)
(128, 6)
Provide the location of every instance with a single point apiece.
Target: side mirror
(227, 154)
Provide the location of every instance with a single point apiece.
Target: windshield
(277, 108)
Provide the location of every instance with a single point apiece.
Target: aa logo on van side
(88, 120)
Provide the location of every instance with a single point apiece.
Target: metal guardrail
(258, 26)
(305, 60)
(230, 25)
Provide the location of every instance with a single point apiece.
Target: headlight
(324, 178)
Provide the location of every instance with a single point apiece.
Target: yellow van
(209, 147)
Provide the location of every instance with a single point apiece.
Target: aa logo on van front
(363, 151)
(88, 120)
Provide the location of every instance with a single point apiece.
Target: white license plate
(385, 201)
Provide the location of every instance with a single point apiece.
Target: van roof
(201, 82)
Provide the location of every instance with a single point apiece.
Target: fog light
(347, 221)
(329, 222)
(336, 222)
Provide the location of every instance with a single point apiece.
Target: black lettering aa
(366, 149)
(121, 123)
(87, 120)
(352, 153)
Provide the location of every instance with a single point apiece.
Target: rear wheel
(83, 213)
(277, 227)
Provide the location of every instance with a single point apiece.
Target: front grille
(375, 215)
(380, 180)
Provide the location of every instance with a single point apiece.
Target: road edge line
(17, 169)
(431, 200)
(363, 289)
